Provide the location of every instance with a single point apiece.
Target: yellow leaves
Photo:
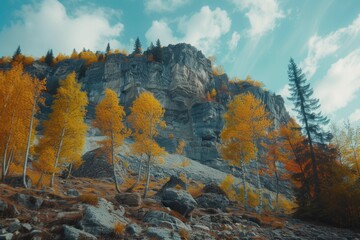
(66, 122)
(46, 160)
(180, 147)
(246, 122)
(19, 93)
(227, 185)
(146, 115)
(88, 56)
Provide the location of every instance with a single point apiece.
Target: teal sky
(248, 37)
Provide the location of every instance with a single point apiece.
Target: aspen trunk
(138, 177)
(4, 165)
(57, 156)
(259, 187)
(28, 143)
(40, 180)
(11, 157)
(69, 170)
(244, 184)
(147, 176)
(113, 163)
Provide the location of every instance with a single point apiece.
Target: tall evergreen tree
(17, 52)
(312, 120)
(49, 57)
(158, 54)
(137, 46)
(108, 48)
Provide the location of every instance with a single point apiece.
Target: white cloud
(321, 47)
(262, 14)
(203, 29)
(340, 84)
(164, 5)
(46, 25)
(355, 116)
(235, 37)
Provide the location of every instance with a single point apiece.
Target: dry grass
(195, 189)
(89, 199)
(119, 228)
(184, 234)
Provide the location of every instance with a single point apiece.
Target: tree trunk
(138, 177)
(244, 184)
(259, 187)
(4, 165)
(277, 188)
(69, 170)
(40, 180)
(113, 163)
(11, 157)
(57, 156)
(147, 176)
(28, 142)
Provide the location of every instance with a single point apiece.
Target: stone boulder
(162, 234)
(101, 220)
(95, 165)
(129, 199)
(17, 181)
(213, 200)
(159, 218)
(133, 229)
(71, 233)
(179, 201)
(28, 201)
(213, 188)
(7, 210)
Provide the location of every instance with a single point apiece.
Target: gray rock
(28, 201)
(26, 226)
(159, 218)
(162, 234)
(178, 200)
(71, 233)
(6, 236)
(212, 200)
(73, 193)
(14, 226)
(133, 229)
(101, 220)
(130, 199)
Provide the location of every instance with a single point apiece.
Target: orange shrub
(119, 228)
(89, 199)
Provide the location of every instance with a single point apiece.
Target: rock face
(180, 82)
(129, 199)
(159, 218)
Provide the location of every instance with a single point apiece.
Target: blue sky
(248, 37)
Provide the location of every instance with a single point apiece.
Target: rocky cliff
(180, 82)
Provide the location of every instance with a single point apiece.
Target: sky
(247, 37)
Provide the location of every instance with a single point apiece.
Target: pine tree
(312, 120)
(158, 54)
(108, 48)
(49, 57)
(17, 52)
(137, 46)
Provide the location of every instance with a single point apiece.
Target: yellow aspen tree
(65, 130)
(109, 120)
(146, 117)
(276, 153)
(18, 104)
(45, 163)
(34, 97)
(246, 123)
